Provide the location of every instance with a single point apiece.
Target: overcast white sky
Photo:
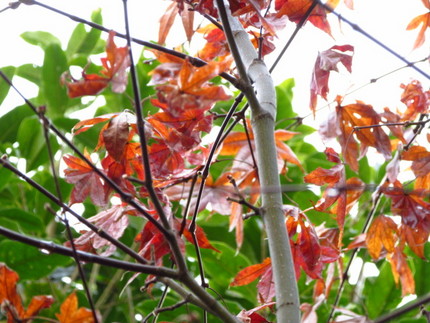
(385, 19)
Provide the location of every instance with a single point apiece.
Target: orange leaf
(70, 313)
(8, 280)
(420, 158)
(114, 72)
(85, 125)
(90, 84)
(8, 295)
(423, 19)
(251, 273)
(166, 22)
(202, 240)
(402, 272)
(38, 303)
(238, 141)
(321, 176)
(361, 115)
(382, 233)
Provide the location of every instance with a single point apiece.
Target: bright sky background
(384, 19)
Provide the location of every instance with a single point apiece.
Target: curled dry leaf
(382, 233)
(326, 62)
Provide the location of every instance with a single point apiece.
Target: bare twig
(89, 257)
(64, 219)
(373, 39)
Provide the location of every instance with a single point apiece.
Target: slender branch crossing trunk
(262, 100)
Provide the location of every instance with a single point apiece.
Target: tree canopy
(162, 205)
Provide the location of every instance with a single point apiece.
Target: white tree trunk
(263, 108)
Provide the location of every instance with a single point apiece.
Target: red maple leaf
(409, 205)
(238, 145)
(344, 192)
(153, 244)
(295, 10)
(326, 62)
(86, 181)
(416, 99)
(113, 72)
(11, 302)
(354, 122)
(251, 316)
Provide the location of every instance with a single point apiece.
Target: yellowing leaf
(382, 233)
(70, 313)
(8, 295)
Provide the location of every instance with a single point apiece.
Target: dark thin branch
(294, 34)
(89, 257)
(241, 200)
(65, 220)
(157, 311)
(404, 309)
(205, 173)
(92, 227)
(372, 81)
(345, 274)
(373, 39)
(168, 233)
(193, 60)
(419, 127)
(390, 124)
(248, 139)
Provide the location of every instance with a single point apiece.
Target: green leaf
(32, 143)
(284, 95)
(9, 71)
(83, 42)
(380, 293)
(54, 64)
(25, 221)
(10, 122)
(421, 272)
(29, 262)
(30, 72)
(5, 176)
(40, 38)
(232, 262)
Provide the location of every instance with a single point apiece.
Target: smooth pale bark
(263, 108)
